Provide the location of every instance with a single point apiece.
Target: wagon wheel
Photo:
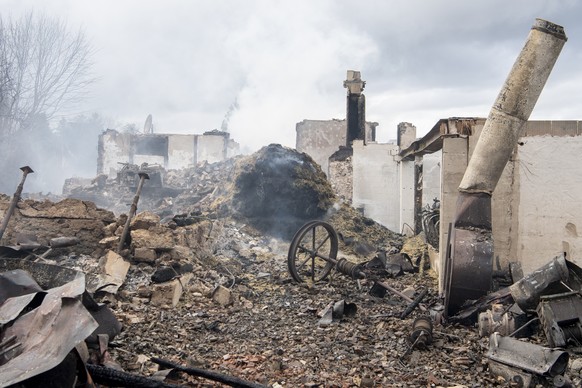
(313, 251)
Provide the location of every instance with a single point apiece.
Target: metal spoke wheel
(313, 251)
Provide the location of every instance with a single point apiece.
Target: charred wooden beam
(211, 375)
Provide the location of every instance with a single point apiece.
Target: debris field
(203, 283)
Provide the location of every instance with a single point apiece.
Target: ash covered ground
(223, 232)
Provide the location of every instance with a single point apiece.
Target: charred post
(469, 268)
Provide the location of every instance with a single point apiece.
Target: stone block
(222, 296)
(109, 242)
(110, 229)
(168, 294)
(181, 253)
(157, 237)
(145, 255)
(113, 271)
(144, 220)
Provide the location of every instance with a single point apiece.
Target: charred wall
(171, 151)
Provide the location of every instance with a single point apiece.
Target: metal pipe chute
(469, 261)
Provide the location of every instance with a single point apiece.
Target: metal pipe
(527, 356)
(142, 177)
(513, 107)
(470, 270)
(25, 171)
(527, 291)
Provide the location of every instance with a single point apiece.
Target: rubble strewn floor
(269, 333)
(210, 288)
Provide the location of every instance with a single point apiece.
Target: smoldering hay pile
(276, 190)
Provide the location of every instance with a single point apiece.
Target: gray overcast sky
(188, 62)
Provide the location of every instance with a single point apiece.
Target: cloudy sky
(273, 63)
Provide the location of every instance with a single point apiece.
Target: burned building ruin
(170, 151)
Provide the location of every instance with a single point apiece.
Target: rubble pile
(361, 235)
(276, 189)
(39, 221)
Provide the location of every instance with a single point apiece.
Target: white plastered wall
(116, 149)
(377, 183)
(550, 200)
(211, 148)
(181, 152)
(431, 177)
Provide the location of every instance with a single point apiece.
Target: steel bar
(400, 294)
(25, 171)
(142, 177)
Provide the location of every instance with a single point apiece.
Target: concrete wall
(114, 148)
(211, 148)
(170, 151)
(407, 185)
(431, 177)
(140, 159)
(376, 180)
(321, 138)
(535, 204)
(454, 162)
(181, 151)
(550, 200)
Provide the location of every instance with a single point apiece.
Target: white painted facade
(549, 205)
(431, 177)
(376, 180)
(181, 151)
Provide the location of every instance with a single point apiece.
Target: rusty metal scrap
(526, 356)
(527, 291)
(142, 177)
(421, 335)
(335, 311)
(494, 320)
(561, 316)
(129, 175)
(46, 330)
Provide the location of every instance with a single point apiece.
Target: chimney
(356, 108)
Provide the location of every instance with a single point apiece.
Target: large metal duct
(469, 265)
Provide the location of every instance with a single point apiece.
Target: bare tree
(43, 67)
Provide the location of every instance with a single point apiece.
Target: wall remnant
(171, 151)
(356, 108)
